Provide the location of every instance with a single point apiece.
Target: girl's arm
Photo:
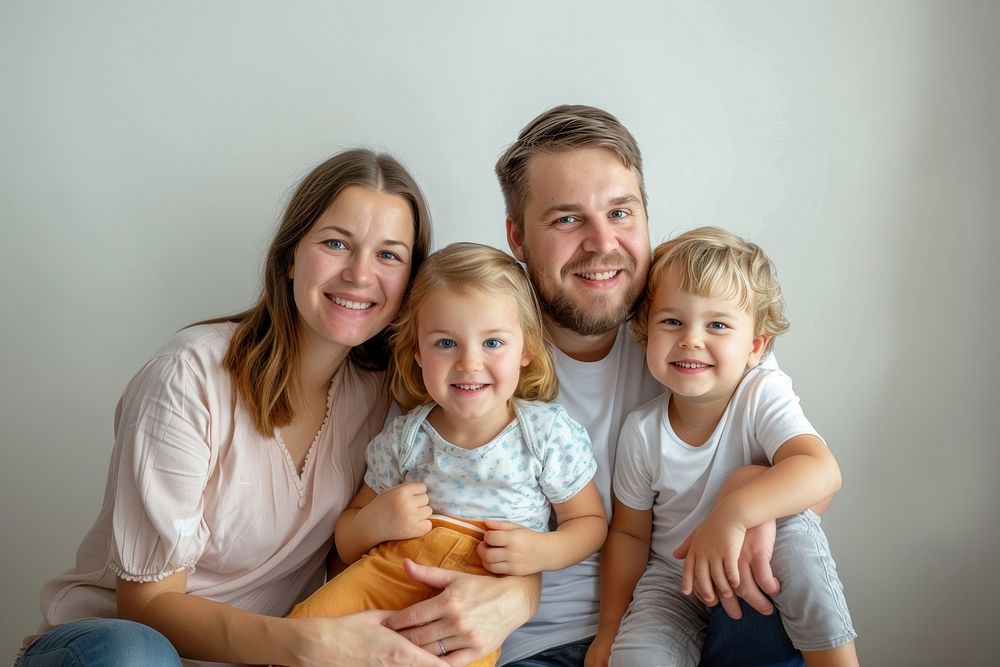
(207, 630)
(398, 513)
(623, 560)
(804, 473)
(509, 548)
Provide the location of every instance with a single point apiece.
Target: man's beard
(598, 317)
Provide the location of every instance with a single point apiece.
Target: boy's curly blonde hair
(471, 268)
(718, 264)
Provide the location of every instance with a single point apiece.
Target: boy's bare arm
(804, 473)
(509, 548)
(623, 560)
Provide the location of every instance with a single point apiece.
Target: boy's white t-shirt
(656, 469)
(599, 395)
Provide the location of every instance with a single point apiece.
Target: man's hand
(471, 616)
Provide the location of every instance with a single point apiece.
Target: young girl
(467, 479)
(708, 321)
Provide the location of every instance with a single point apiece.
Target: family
(581, 454)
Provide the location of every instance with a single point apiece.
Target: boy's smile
(699, 346)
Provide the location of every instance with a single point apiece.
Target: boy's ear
(757, 351)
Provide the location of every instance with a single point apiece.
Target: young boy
(708, 322)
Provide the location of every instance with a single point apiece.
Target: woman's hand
(471, 616)
(358, 639)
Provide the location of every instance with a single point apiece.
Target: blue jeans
(753, 641)
(100, 642)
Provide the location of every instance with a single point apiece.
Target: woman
(238, 445)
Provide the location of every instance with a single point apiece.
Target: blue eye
(618, 214)
(493, 343)
(385, 254)
(718, 326)
(335, 244)
(446, 344)
(671, 322)
(567, 219)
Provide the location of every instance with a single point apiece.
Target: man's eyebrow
(624, 199)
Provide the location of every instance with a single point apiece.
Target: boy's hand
(599, 652)
(401, 512)
(711, 567)
(510, 548)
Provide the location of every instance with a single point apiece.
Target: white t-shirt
(599, 395)
(656, 469)
(541, 457)
(193, 486)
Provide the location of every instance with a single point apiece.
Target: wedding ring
(441, 648)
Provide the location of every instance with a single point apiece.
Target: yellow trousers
(378, 581)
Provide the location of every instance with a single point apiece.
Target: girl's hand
(401, 512)
(472, 615)
(510, 548)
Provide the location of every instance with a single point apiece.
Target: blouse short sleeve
(164, 460)
(567, 459)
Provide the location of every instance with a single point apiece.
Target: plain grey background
(148, 149)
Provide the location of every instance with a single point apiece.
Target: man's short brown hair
(563, 128)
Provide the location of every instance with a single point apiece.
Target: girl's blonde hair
(465, 268)
(718, 264)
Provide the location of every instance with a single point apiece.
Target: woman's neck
(317, 364)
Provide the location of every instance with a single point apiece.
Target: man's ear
(757, 351)
(515, 239)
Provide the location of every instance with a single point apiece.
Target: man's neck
(580, 347)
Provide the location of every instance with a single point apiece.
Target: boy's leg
(661, 626)
(811, 601)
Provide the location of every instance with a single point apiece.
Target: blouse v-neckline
(299, 478)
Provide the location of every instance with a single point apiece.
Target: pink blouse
(193, 486)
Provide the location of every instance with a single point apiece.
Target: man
(576, 216)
